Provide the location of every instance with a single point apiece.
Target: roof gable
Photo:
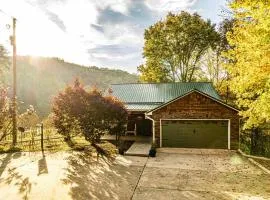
(159, 93)
(194, 90)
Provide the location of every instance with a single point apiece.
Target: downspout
(153, 127)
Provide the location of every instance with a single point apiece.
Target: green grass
(49, 145)
(52, 142)
(78, 143)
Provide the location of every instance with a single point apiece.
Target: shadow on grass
(92, 178)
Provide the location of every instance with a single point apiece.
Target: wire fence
(41, 138)
(34, 139)
(32, 134)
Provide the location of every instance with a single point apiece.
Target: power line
(8, 15)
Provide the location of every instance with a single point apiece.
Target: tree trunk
(67, 138)
(254, 141)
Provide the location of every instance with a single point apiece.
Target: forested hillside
(40, 79)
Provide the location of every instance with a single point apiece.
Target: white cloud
(114, 58)
(170, 5)
(77, 15)
(116, 5)
(73, 30)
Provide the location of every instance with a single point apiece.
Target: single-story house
(187, 115)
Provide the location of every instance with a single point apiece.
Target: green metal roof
(146, 96)
(141, 107)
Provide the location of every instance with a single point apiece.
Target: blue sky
(105, 33)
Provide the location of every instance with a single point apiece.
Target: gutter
(153, 128)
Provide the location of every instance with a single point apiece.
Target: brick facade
(198, 106)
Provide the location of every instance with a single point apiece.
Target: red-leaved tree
(88, 112)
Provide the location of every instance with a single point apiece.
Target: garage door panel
(195, 134)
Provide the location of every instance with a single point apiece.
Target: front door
(144, 127)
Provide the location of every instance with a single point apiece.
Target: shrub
(153, 151)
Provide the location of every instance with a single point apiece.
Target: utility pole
(14, 94)
(42, 139)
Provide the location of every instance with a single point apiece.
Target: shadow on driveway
(14, 177)
(6, 160)
(23, 183)
(42, 165)
(102, 179)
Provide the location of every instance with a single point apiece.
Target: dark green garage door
(195, 134)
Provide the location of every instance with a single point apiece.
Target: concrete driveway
(201, 174)
(173, 174)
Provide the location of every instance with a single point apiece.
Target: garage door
(195, 134)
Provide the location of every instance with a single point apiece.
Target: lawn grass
(30, 141)
(57, 144)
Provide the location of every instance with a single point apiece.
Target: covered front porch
(138, 124)
(138, 135)
(139, 128)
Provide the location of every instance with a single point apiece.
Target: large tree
(66, 106)
(212, 60)
(248, 61)
(88, 112)
(175, 46)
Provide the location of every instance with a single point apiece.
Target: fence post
(41, 127)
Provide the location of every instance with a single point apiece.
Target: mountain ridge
(39, 79)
